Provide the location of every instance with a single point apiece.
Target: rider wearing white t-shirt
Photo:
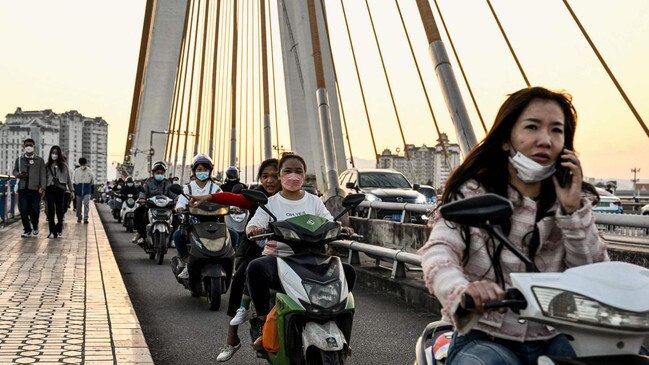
(284, 209)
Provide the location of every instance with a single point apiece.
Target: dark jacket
(62, 173)
(35, 168)
(230, 184)
(129, 190)
(153, 188)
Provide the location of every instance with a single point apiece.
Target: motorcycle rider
(232, 180)
(202, 184)
(291, 201)
(551, 221)
(239, 303)
(129, 188)
(158, 184)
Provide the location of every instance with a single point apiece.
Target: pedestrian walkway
(63, 301)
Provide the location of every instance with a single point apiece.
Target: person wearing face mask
(59, 184)
(232, 182)
(30, 170)
(129, 188)
(202, 184)
(83, 182)
(158, 184)
(289, 202)
(552, 222)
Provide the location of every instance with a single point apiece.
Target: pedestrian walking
(59, 186)
(30, 169)
(83, 181)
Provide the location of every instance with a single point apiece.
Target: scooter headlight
(325, 296)
(130, 201)
(573, 307)
(333, 233)
(288, 234)
(161, 201)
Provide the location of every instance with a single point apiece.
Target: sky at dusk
(82, 55)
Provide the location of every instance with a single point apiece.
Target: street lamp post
(635, 171)
(151, 150)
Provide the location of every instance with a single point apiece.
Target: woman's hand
(196, 200)
(482, 292)
(255, 231)
(347, 230)
(569, 196)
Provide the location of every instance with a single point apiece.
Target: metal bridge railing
(7, 199)
(615, 225)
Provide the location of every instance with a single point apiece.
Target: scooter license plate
(396, 217)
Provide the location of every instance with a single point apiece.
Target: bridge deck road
(179, 329)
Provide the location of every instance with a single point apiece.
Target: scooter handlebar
(514, 300)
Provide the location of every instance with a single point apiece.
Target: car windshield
(383, 180)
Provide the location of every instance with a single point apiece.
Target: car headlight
(325, 296)
(372, 198)
(573, 307)
(421, 199)
(332, 233)
(288, 234)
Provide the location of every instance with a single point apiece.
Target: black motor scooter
(211, 255)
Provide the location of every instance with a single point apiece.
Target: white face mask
(55, 157)
(529, 170)
(29, 149)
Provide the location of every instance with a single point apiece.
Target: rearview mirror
(176, 189)
(478, 211)
(255, 196)
(350, 185)
(353, 200)
(140, 188)
(416, 186)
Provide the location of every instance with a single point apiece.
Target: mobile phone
(562, 173)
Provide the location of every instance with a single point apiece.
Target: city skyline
(94, 70)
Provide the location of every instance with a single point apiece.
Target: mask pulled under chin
(292, 182)
(529, 170)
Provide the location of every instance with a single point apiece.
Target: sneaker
(241, 317)
(140, 241)
(185, 275)
(227, 351)
(35, 233)
(135, 238)
(78, 220)
(85, 221)
(26, 234)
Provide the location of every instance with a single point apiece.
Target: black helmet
(232, 173)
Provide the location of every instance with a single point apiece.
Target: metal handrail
(400, 257)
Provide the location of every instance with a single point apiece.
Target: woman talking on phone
(528, 157)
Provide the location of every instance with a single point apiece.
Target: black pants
(141, 219)
(263, 276)
(29, 203)
(55, 205)
(249, 251)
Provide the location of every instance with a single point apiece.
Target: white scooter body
(128, 207)
(314, 334)
(616, 286)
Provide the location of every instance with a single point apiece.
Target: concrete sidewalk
(63, 301)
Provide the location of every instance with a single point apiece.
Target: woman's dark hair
(287, 156)
(487, 163)
(60, 161)
(266, 163)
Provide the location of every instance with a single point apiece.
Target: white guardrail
(615, 225)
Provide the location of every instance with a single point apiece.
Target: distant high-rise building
(78, 136)
(426, 165)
